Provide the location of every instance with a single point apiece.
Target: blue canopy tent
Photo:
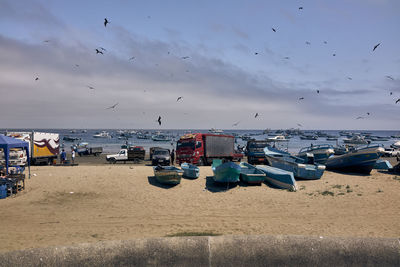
(8, 142)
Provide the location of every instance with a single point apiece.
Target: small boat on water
(283, 160)
(381, 164)
(227, 172)
(356, 139)
(308, 137)
(102, 134)
(250, 174)
(278, 177)
(71, 139)
(277, 138)
(190, 171)
(321, 153)
(161, 138)
(168, 174)
(378, 138)
(359, 159)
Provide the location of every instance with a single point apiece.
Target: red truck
(202, 148)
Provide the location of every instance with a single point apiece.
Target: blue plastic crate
(3, 191)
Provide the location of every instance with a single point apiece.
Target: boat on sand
(225, 172)
(250, 174)
(278, 177)
(168, 174)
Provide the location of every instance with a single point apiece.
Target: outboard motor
(310, 158)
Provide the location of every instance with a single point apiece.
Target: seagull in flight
(113, 106)
(389, 77)
(359, 118)
(317, 91)
(398, 100)
(106, 22)
(255, 116)
(256, 53)
(308, 43)
(159, 120)
(300, 8)
(185, 57)
(325, 42)
(375, 47)
(286, 57)
(37, 79)
(235, 124)
(349, 78)
(334, 55)
(132, 58)
(98, 51)
(90, 87)
(273, 30)
(368, 113)
(299, 125)
(46, 41)
(301, 98)
(391, 93)
(179, 98)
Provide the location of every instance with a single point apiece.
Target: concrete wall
(216, 251)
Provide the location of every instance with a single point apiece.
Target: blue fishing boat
(283, 160)
(168, 174)
(250, 174)
(359, 159)
(278, 177)
(190, 170)
(321, 153)
(381, 164)
(227, 172)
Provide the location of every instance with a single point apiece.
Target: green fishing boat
(168, 174)
(190, 171)
(250, 174)
(227, 172)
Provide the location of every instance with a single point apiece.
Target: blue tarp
(8, 142)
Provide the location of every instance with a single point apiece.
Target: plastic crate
(3, 191)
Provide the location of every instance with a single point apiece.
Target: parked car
(161, 157)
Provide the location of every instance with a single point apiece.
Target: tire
(113, 161)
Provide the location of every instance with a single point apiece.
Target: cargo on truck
(202, 148)
(83, 149)
(43, 147)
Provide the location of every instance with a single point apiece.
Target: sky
(317, 70)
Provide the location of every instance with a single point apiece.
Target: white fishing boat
(102, 134)
(356, 139)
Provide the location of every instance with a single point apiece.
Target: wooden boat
(321, 153)
(283, 160)
(168, 174)
(278, 177)
(381, 164)
(227, 172)
(250, 174)
(190, 170)
(360, 159)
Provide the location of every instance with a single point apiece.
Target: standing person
(73, 156)
(63, 156)
(172, 156)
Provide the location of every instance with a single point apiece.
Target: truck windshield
(258, 145)
(189, 144)
(161, 152)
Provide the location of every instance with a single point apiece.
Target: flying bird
(300, 8)
(255, 116)
(46, 41)
(325, 42)
(299, 125)
(398, 100)
(98, 51)
(113, 106)
(301, 98)
(308, 43)
(179, 98)
(132, 58)
(186, 57)
(368, 113)
(286, 57)
(359, 118)
(37, 79)
(159, 120)
(256, 53)
(334, 55)
(376, 46)
(389, 77)
(76, 65)
(317, 91)
(90, 87)
(391, 93)
(235, 124)
(106, 22)
(349, 78)
(273, 30)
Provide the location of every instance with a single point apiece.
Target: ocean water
(112, 145)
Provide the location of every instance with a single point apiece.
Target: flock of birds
(101, 50)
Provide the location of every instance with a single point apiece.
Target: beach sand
(89, 203)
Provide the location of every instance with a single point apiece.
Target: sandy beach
(96, 201)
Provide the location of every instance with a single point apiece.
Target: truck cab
(255, 151)
(122, 155)
(189, 148)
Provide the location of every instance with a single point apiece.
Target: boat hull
(227, 172)
(168, 175)
(278, 177)
(190, 171)
(358, 160)
(250, 174)
(381, 164)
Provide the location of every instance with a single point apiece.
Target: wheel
(113, 161)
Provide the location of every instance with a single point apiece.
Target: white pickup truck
(131, 154)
